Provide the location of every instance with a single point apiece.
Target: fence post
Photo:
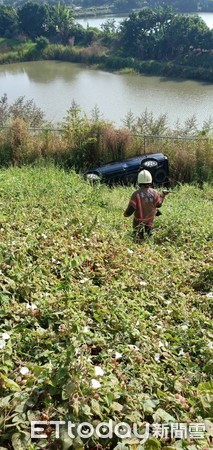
(144, 144)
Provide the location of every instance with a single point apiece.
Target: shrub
(116, 143)
(21, 146)
(84, 143)
(20, 108)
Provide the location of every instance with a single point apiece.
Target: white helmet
(144, 177)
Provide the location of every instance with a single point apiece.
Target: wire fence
(156, 139)
(144, 137)
(147, 143)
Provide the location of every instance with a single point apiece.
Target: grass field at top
(94, 327)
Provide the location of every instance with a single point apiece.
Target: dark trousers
(139, 230)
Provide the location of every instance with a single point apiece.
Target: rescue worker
(144, 203)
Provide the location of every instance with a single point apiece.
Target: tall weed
(84, 143)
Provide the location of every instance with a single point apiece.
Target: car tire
(160, 176)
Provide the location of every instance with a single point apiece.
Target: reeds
(82, 143)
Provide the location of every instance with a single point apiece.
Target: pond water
(99, 20)
(55, 85)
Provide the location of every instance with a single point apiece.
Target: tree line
(158, 42)
(128, 5)
(147, 34)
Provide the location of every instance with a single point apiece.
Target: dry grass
(85, 144)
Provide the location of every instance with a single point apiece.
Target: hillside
(94, 327)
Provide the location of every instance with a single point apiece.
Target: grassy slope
(67, 248)
(12, 50)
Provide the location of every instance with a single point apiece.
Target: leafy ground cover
(94, 327)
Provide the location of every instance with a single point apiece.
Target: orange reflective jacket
(144, 203)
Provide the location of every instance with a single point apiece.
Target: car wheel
(160, 176)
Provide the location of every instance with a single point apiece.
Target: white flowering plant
(93, 326)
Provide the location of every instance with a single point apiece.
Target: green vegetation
(155, 42)
(120, 6)
(92, 326)
(12, 50)
(81, 302)
(8, 45)
(83, 142)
